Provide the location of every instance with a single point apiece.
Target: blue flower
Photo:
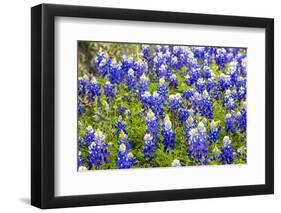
(127, 63)
(125, 159)
(241, 93)
(183, 115)
(221, 57)
(168, 135)
(175, 102)
(102, 63)
(89, 135)
(229, 124)
(226, 155)
(145, 52)
(206, 109)
(80, 108)
(131, 79)
(151, 124)
(224, 82)
(162, 90)
(93, 89)
(197, 148)
(116, 74)
(213, 134)
(200, 85)
(108, 90)
(82, 86)
(143, 85)
(149, 147)
(230, 104)
(187, 94)
(139, 68)
(189, 124)
(242, 119)
(123, 139)
(97, 151)
(206, 72)
(80, 161)
(119, 126)
(173, 81)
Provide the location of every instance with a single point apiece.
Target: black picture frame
(43, 102)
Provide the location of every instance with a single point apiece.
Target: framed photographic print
(139, 106)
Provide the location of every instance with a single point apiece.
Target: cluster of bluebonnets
(164, 105)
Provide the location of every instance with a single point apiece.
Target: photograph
(159, 105)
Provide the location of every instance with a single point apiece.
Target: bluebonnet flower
(93, 89)
(168, 135)
(229, 123)
(125, 159)
(197, 148)
(123, 139)
(175, 63)
(183, 115)
(221, 57)
(82, 86)
(80, 108)
(197, 102)
(143, 85)
(192, 76)
(200, 85)
(176, 163)
(80, 161)
(119, 126)
(233, 71)
(131, 79)
(97, 151)
(156, 104)
(162, 89)
(224, 82)
(140, 68)
(149, 146)
(162, 71)
(242, 118)
(175, 102)
(108, 90)
(151, 124)
(211, 83)
(104, 66)
(116, 74)
(126, 63)
(189, 124)
(206, 109)
(241, 94)
(206, 72)
(243, 67)
(146, 99)
(187, 94)
(227, 155)
(89, 135)
(230, 104)
(213, 134)
(241, 82)
(145, 52)
(198, 52)
(173, 81)
(102, 63)
(80, 142)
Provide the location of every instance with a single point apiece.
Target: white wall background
(15, 105)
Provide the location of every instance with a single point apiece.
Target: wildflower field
(147, 105)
